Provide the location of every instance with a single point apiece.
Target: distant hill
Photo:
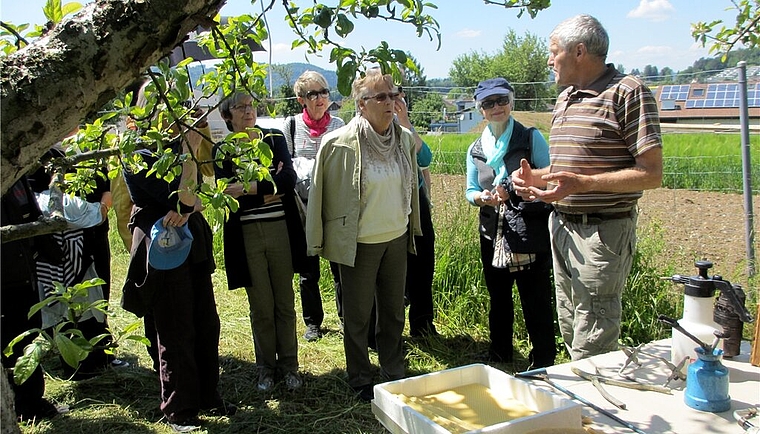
(296, 69)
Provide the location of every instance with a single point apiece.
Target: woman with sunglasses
(304, 133)
(363, 214)
(512, 231)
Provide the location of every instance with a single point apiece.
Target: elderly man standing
(605, 148)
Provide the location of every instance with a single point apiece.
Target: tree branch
(19, 38)
(100, 50)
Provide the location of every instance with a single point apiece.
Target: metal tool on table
(632, 356)
(541, 374)
(597, 380)
(745, 419)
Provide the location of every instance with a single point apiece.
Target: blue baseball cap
(493, 86)
(169, 247)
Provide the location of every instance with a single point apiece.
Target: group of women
(363, 215)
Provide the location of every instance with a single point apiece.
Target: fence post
(746, 169)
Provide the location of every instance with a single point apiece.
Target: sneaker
(187, 425)
(119, 363)
(313, 333)
(293, 381)
(266, 382)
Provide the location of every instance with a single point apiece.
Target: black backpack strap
(530, 145)
(292, 128)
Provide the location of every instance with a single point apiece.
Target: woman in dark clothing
(264, 244)
(180, 300)
(523, 257)
(18, 293)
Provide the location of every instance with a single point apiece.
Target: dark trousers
(311, 298)
(97, 245)
(15, 303)
(376, 279)
(187, 326)
(535, 289)
(419, 274)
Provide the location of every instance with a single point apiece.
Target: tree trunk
(52, 85)
(7, 413)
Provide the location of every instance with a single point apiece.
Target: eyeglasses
(242, 107)
(381, 97)
(490, 103)
(312, 95)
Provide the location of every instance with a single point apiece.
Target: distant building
(706, 103)
(466, 115)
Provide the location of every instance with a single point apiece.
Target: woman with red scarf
(303, 133)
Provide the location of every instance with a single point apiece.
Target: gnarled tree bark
(50, 86)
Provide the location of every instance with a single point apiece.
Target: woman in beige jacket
(363, 211)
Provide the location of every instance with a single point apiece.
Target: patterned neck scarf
(316, 127)
(383, 150)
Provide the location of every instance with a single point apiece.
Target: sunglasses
(312, 95)
(381, 97)
(490, 103)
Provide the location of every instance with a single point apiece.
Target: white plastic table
(654, 412)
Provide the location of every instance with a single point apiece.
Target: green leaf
(9, 349)
(344, 26)
(323, 16)
(71, 353)
(70, 8)
(346, 75)
(52, 11)
(141, 339)
(27, 363)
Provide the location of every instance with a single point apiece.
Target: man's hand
(522, 179)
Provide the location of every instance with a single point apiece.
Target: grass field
(690, 161)
(126, 400)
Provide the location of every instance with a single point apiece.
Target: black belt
(595, 218)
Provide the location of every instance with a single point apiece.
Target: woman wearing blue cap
(514, 235)
(176, 292)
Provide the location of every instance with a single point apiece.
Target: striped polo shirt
(602, 129)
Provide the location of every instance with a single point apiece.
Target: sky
(642, 32)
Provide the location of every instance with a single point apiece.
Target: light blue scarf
(495, 149)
